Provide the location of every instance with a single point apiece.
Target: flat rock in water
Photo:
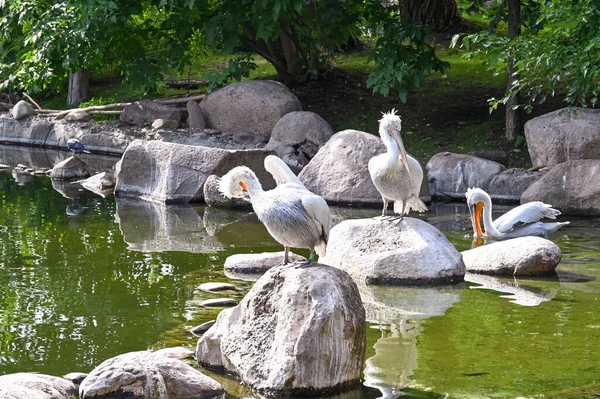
(202, 328)
(35, 386)
(297, 332)
(177, 352)
(215, 287)
(410, 252)
(522, 256)
(147, 375)
(218, 302)
(257, 263)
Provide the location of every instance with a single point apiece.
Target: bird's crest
(390, 116)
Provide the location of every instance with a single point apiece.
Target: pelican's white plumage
(282, 173)
(396, 175)
(524, 220)
(295, 217)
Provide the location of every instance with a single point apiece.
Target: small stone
(218, 302)
(78, 116)
(22, 110)
(75, 377)
(165, 124)
(178, 352)
(195, 117)
(202, 328)
(257, 263)
(211, 131)
(213, 287)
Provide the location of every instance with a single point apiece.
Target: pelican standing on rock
(524, 220)
(295, 217)
(396, 175)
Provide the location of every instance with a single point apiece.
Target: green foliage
(556, 54)
(237, 69)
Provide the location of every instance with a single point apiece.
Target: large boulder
(450, 175)
(35, 386)
(297, 132)
(70, 169)
(509, 184)
(22, 110)
(522, 256)
(148, 375)
(169, 172)
(339, 173)
(144, 112)
(297, 332)
(572, 187)
(563, 135)
(411, 252)
(254, 106)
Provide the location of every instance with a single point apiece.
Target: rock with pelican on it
(70, 169)
(298, 331)
(410, 252)
(521, 256)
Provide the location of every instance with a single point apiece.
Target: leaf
(403, 94)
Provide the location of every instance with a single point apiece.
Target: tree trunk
(513, 127)
(79, 85)
(437, 14)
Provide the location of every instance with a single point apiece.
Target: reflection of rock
(155, 227)
(521, 295)
(21, 177)
(236, 228)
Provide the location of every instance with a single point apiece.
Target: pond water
(84, 278)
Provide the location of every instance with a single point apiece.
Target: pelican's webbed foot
(304, 264)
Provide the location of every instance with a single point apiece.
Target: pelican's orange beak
(476, 219)
(244, 186)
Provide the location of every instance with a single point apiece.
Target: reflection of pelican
(282, 173)
(521, 221)
(75, 208)
(294, 217)
(396, 175)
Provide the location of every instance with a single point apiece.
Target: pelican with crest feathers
(524, 220)
(396, 175)
(295, 217)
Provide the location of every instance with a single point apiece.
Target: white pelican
(294, 217)
(396, 175)
(282, 173)
(524, 220)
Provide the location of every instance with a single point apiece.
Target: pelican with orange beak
(524, 220)
(396, 175)
(295, 217)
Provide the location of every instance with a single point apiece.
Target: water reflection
(517, 292)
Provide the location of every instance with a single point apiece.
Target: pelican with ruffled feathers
(396, 175)
(295, 217)
(282, 173)
(524, 220)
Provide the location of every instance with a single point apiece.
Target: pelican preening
(521, 221)
(295, 217)
(76, 146)
(396, 175)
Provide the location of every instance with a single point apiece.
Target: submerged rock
(70, 169)
(35, 386)
(522, 256)
(411, 252)
(298, 331)
(215, 287)
(147, 375)
(257, 263)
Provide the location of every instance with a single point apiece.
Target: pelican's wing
(416, 172)
(282, 173)
(318, 210)
(530, 212)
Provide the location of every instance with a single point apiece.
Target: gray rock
(202, 328)
(165, 124)
(298, 331)
(572, 187)
(339, 174)
(215, 287)
(22, 110)
(257, 263)
(500, 157)
(211, 131)
(144, 112)
(147, 375)
(218, 302)
(177, 352)
(511, 183)
(252, 105)
(170, 172)
(450, 175)
(522, 256)
(35, 386)
(75, 377)
(78, 116)
(70, 169)
(101, 183)
(303, 128)
(195, 117)
(214, 197)
(563, 135)
(411, 252)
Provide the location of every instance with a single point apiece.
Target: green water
(114, 276)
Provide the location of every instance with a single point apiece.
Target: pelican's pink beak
(403, 157)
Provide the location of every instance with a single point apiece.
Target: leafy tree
(437, 14)
(551, 49)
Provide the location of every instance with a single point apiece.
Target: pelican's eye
(243, 185)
